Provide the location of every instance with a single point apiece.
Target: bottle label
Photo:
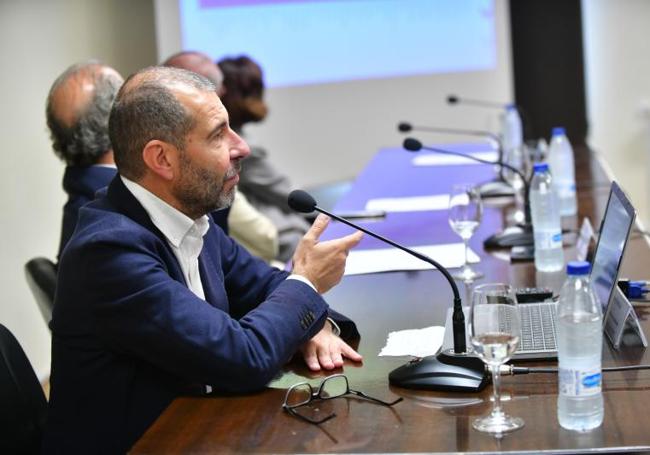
(580, 383)
(547, 240)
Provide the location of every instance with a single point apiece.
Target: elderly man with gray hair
(78, 106)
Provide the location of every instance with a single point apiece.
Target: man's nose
(239, 148)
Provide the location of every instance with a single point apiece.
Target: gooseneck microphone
(405, 127)
(500, 240)
(444, 372)
(454, 99)
(413, 145)
(303, 202)
(525, 119)
(496, 188)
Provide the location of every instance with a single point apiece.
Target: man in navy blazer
(153, 301)
(77, 110)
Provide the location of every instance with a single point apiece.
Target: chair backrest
(41, 278)
(24, 407)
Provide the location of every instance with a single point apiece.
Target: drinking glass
(494, 330)
(465, 212)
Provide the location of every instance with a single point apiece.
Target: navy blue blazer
(82, 182)
(128, 336)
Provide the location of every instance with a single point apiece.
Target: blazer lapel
(124, 202)
(212, 273)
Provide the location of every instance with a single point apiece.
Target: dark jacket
(128, 336)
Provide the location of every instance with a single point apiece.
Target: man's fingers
(350, 353)
(346, 243)
(337, 358)
(325, 359)
(318, 227)
(311, 359)
(352, 240)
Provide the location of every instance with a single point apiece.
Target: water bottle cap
(540, 167)
(558, 131)
(578, 268)
(511, 107)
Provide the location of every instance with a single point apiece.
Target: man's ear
(161, 158)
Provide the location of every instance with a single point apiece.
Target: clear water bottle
(512, 139)
(547, 229)
(580, 342)
(560, 159)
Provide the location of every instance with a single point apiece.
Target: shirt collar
(174, 224)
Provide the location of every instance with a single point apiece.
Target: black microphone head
(404, 127)
(301, 201)
(452, 99)
(412, 145)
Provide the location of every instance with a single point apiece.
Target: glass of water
(465, 213)
(494, 330)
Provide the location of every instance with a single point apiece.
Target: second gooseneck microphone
(454, 99)
(405, 127)
(524, 235)
(413, 145)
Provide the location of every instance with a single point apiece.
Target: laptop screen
(614, 231)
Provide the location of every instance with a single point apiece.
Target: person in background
(246, 224)
(77, 110)
(153, 301)
(266, 188)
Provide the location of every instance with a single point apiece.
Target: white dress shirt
(184, 235)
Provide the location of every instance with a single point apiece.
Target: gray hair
(86, 140)
(146, 109)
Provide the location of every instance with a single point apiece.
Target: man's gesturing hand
(323, 263)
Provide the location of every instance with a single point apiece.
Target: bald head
(78, 106)
(198, 63)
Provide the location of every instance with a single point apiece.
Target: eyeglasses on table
(331, 387)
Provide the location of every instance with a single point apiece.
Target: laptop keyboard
(538, 332)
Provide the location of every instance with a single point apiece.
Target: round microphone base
(511, 236)
(451, 353)
(496, 189)
(447, 373)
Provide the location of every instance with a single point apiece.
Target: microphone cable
(512, 370)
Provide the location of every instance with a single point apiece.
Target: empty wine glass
(465, 212)
(494, 330)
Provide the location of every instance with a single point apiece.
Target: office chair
(41, 278)
(24, 407)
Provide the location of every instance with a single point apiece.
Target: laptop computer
(538, 324)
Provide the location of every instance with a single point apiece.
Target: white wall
(328, 132)
(38, 40)
(617, 62)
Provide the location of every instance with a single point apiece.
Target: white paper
(449, 255)
(410, 204)
(415, 342)
(438, 159)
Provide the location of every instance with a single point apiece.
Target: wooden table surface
(433, 422)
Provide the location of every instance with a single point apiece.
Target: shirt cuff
(294, 276)
(336, 330)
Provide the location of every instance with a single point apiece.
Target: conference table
(379, 303)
